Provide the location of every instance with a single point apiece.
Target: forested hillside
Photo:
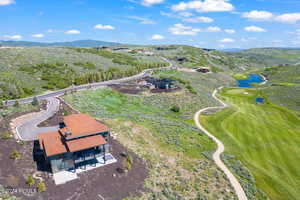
(30, 71)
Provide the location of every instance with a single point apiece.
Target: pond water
(252, 78)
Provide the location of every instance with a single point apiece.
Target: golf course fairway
(265, 137)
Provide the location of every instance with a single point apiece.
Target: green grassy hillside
(264, 137)
(283, 87)
(30, 71)
(269, 56)
(195, 57)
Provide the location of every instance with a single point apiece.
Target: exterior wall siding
(66, 161)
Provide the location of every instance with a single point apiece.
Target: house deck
(65, 176)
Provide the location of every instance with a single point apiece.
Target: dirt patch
(137, 89)
(64, 110)
(107, 181)
(128, 88)
(186, 69)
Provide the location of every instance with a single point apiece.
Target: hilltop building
(80, 140)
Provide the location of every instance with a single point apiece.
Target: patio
(66, 176)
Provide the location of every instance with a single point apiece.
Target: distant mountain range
(233, 50)
(76, 43)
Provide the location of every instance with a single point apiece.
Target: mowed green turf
(266, 138)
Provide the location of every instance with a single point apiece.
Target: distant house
(163, 83)
(121, 49)
(80, 139)
(203, 69)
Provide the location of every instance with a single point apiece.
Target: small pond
(252, 78)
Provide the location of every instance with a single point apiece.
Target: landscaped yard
(265, 137)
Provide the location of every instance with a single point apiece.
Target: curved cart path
(220, 149)
(28, 131)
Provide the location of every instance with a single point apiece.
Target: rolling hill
(76, 43)
(269, 56)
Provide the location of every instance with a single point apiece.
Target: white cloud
(143, 20)
(38, 35)
(254, 29)
(230, 31)
(248, 39)
(227, 40)
(157, 37)
(290, 18)
(199, 20)
(185, 14)
(13, 37)
(6, 2)
(151, 2)
(72, 32)
(212, 29)
(256, 15)
(104, 27)
(180, 29)
(204, 6)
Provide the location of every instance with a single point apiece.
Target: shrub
(30, 180)
(191, 89)
(6, 135)
(175, 109)
(15, 154)
(216, 69)
(35, 101)
(17, 104)
(128, 162)
(41, 187)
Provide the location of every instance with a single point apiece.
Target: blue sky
(202, 23)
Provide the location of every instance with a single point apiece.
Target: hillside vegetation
(187, 56)
(265, 137)
(269, 56)
(283, 87)
(30, 71)
(177, 153)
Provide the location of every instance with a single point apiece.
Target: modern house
(80, 140)
(203, 69)
(163, 83)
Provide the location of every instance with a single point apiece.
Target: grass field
(264, 137)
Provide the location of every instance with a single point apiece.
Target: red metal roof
(82, 127)
(83, 124)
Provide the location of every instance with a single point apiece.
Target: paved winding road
(28, 131)
(220, 149)
(57, 93)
